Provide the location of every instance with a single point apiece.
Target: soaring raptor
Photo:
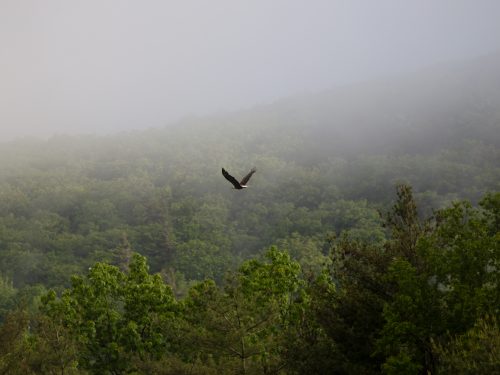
(238, 185)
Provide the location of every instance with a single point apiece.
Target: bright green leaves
(425, 300)
(116, 316)
(277, 277)
(130, 321)
(242, 324)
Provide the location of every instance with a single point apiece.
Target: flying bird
(238, 185)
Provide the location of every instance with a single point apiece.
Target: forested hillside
(359, 280)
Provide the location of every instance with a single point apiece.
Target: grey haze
(108, 65)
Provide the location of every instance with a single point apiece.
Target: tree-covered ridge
(66, 202)
(351, 286)
(59, 216)
(425, 301)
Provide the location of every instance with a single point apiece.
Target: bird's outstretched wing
(231, 179)
(247, 177)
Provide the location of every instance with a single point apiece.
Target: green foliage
(474, 352)
(424, 301)
(54, 347)
(198, 260)
(66, 202)
(116, 316)
(382, 307)
(308, 251)
(7, 293)
(443, 283)
(13, 344)
(491, 204)
(350, 291)
(240, 326)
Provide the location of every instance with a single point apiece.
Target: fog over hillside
(436, 128)
(412, 113)
(419, 112)
(106, 66)
(367, 241)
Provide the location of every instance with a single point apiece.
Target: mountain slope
(326, 163)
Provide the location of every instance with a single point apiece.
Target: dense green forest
(367, 242)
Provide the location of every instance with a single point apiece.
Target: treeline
(69, 202)
(326, 164)
(424, 301)
(346, 289)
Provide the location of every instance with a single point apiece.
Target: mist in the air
(107, 66)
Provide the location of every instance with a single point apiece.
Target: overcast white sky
(69, 66)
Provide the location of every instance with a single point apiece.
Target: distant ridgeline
(359, 281)
(328, 163)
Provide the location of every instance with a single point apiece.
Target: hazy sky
(106, 65)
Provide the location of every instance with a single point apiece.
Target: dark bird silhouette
(238, 185)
